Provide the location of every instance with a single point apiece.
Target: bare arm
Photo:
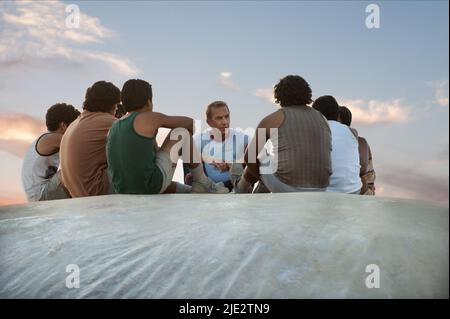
(271, 121)
(49, 144)
(173, 122)
(148, 123)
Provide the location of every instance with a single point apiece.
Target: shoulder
(150, 117)
(273, 120)
(147, 123)
(49, 137)
(100, 118)
(48, 143)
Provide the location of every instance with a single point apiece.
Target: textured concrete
(304, 245)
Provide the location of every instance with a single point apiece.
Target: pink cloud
(377, 112)
(17, 132)
(393, 181)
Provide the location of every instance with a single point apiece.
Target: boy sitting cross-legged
(135, 164)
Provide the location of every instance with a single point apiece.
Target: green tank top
(131, 159)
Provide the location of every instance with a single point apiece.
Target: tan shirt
(83, 154)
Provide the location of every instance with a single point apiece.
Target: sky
(393, 78)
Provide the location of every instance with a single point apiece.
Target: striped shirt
(304, 148)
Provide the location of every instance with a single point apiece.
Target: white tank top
(344, 160)
(37, 170)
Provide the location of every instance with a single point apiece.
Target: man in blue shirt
(220, 146)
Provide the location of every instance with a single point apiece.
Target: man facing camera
(220, 146)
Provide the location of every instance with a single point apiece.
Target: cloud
(440, 92)
(410, 183)
(266, 94)
(225, 81)
(36, 31)
(11, 191)
(376, 112)
(18, 131)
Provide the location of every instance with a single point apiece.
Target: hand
(221, 166)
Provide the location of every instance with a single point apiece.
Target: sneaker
(209, 187)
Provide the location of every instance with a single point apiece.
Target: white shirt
(231, 150)
(344, 160)
(36, 170)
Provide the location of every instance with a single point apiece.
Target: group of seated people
(111, 148)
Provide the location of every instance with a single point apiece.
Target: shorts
(53, 189)
(274, 185)
(167, 169)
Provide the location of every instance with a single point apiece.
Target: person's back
(303, 147)
(37, 169)
(135, 166)
(301, 142)
(126, 146)
(344, 154)
(40, 176)
(83, 147)
(83, 155)
(366, 172)
(344, 159)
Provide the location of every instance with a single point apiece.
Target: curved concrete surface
(304, 245)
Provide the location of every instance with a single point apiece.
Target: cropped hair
(60, 113)
(102, 96)
(213, 105)
(292, 90)
(135, 94)
(345, 115)
(328, 106)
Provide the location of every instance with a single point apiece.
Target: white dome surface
(302, 245)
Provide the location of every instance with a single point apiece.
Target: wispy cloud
(17, 131)
(376, 112)
(225, 81)
(265, 94)
(34, 31)
(410, 183)
(440, 92)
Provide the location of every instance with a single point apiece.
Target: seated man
(83, 147)
(135, 164)
(301, 142)
(40, 176)
(366, 173)
(220, 146)
(345, 155)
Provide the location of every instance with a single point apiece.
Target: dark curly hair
(60, 113)
(345, 115)
(328, 106)
(135, 94)
(292, 90)
(102, 96)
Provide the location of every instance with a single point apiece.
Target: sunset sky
(394, 79)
